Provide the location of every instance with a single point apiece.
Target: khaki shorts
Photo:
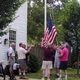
(11, 61)
(47, 65)
(22, 63)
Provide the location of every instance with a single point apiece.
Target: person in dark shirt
(27, 55)
(27, 61)
(47, 60)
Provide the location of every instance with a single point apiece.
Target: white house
(17, 32)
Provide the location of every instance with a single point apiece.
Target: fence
(38, 51)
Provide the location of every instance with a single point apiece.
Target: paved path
(7, 78)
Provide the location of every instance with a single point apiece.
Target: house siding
(4, 48)
(20, 26)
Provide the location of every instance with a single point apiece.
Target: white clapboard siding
(4, 48)
(20, 26)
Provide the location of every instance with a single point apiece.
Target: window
(12, 36)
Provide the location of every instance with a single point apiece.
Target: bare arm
(11, 56)
(29, 49)
(60, 55)
(28, 57)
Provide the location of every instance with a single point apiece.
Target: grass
(71, 74)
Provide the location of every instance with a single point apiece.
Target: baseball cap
(67, 45)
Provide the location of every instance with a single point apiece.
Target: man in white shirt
(11, 55)
(21, 52)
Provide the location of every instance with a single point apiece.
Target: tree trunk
(78, 66)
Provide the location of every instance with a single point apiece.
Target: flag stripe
(52, 36)
(50, 33)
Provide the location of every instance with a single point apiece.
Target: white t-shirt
(11, 51)
(21, 53)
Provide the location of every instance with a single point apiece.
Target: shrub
(34, 63)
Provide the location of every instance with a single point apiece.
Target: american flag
(50, 33)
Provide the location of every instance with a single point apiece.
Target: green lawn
(71, 74)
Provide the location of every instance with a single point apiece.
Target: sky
(55, 2)
(79, 1)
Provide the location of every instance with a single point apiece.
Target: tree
(35, 22)
(71, 22)
(7, 12)
(55, 10)
(34, 64)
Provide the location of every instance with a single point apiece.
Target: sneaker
(42, 79)
(24, 77)
(59, 78)
(65, 79)
(56, 76)
(21, 77)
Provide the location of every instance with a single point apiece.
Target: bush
(34, 63)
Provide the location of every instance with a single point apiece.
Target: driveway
(7, 78)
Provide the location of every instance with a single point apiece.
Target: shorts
(22, 64)
(11, 61)
(56, 63)
(47, 65)
(63, 65)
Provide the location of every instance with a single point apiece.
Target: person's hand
(11, 56)
(30, 48)
(61, 42)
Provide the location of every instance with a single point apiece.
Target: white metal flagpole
(45, 17)
(45, 13)
(26, 17)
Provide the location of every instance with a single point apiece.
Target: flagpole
(45, 13)
(45, 17)
(26, 18)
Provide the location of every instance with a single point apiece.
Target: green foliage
(35, 22)
(71, 74)
(71, 22)
(73, 59)
(34, 63)
(61, 33)
(7, 12)
(56, 14)
(70, 14)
